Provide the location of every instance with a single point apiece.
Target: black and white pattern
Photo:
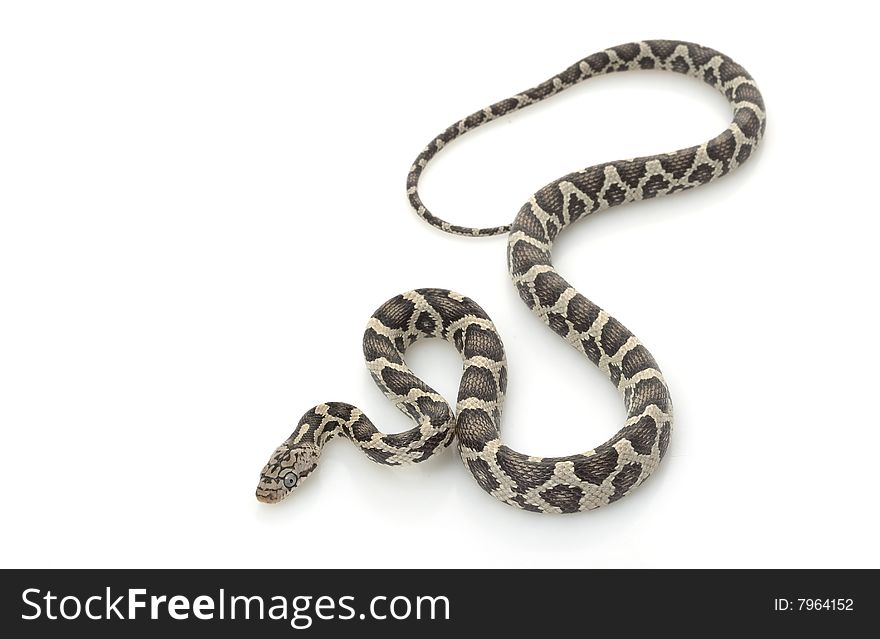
(542, 484)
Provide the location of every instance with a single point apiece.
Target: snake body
(542, 484)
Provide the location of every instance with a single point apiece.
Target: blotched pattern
(542, 484)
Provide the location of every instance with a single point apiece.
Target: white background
(201, 203)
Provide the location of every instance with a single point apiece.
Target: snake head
(287, 468)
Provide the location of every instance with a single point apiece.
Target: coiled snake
(541, 484)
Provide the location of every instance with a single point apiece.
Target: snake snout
(269, 496)
(269, 489)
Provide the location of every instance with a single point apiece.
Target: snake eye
(290, 480)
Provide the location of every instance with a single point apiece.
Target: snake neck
(322, 423)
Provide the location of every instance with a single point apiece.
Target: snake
(572, 483)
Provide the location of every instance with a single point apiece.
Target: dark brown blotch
(649, 392)
(614, 336)
(625, 480)
(749, 93)
(598, 61)
(376, 346)
(549, 286)
(475, 428)
(678, 163)
(527, 223)
(614, 195)
(631, 172)
(339, 410)
(598, 467)
(527, 474)
(637, 359)
(479, 341)
(504, 106)
(662, 48)
(479, 383)
(523, 256)
(395, 313)
(401, 383)
(437, 412)
(582, 313)
(627, 52)
(426, 324)
(654, 186)
(549, 198)
(362, 429)
(663, 442)
(748, 122)
(642, 434)
(565, 497)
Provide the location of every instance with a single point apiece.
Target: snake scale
(541, 484)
